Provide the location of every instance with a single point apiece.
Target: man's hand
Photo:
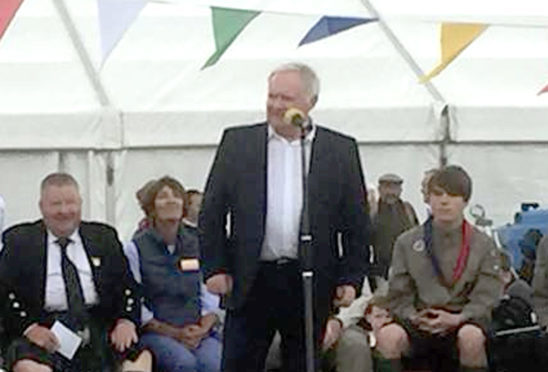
(219, 284)
(344, 296)
(436, 321)
(123, 334)
(42, 337)
(333, 331)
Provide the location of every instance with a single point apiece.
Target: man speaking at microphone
(256, 183)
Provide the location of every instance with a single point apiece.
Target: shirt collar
(74, 237)
(308, 138)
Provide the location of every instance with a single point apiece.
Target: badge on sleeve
(189, 264)
(418, 246)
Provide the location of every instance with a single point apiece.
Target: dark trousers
(275, 303)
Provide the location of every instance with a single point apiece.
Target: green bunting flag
(227, 25)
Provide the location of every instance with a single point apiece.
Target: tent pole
(82, 53)
(446, 132)
(102, 96)
(445, 123)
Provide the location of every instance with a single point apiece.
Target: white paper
(68, 340)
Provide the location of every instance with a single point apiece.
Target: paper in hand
(68, 340)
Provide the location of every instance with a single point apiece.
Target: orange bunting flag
(455, 37)
(8, 8)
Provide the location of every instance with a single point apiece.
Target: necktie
(73, 289)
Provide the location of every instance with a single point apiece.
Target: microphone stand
(305, 245)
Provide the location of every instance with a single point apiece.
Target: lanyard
(463, 253)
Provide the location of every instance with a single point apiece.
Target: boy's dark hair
(453, 180)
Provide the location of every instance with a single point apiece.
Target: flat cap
(390, 178)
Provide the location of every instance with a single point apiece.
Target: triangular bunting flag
(543, 90)
(455, 37)
(227, 25)
(328, 26)
(115, 17)
(8, 8)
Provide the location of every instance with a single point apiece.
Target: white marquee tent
(150, 110)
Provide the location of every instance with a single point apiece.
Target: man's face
(61, 208)
(389, 192)
(285, 91)
(446, 208)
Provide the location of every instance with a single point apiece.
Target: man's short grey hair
(308, 75)
(58, 179)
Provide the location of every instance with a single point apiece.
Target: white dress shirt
(284, 195)
(56, 298)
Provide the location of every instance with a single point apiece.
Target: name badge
(189, 264)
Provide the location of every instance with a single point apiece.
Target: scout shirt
(414, 285)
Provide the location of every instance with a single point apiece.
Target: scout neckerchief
(461, 260)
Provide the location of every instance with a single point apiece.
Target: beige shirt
(413, 284)
(540, 282)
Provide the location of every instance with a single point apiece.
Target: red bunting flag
(8, 8)
(543, 90)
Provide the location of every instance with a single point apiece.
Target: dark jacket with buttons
(23, 270)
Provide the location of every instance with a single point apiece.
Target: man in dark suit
(256, 181)
(60, 269)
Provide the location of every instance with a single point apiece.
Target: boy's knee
(392, 341)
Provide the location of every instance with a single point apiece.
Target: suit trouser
(275, 302)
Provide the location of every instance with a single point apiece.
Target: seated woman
(178, 314)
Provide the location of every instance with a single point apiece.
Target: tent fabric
(159, 113)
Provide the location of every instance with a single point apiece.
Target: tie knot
(63, 243)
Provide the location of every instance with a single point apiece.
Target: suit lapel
(261, 157)
(317, 158)
(92, 251)
(42, 260)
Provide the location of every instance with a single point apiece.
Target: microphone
(294, 116)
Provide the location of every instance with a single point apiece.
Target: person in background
(192, 210)
(443, 284)
(178, 316)
(345, 342)
(394, 216)
(424, 189)
(61, 270)
(540, 282)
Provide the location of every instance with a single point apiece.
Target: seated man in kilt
(62, 270)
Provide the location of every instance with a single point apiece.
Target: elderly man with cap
(393, 217)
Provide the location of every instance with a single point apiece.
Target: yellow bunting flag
(455, 37)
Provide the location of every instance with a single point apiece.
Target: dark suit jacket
(237, 187)
(23, 262)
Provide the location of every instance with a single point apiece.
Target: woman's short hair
(153, 190)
